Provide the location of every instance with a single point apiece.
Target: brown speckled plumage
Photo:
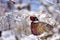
(38, 28)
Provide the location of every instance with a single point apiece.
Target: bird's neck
(35, 21)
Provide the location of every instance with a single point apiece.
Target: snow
(30, 37)
(10, 38)
(8, 35)
(20, 22)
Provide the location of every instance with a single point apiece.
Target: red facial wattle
(32, 18)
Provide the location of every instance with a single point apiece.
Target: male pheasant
(37, 28)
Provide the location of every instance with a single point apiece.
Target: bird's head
(33, 18)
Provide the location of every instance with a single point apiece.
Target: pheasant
(37, 28)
